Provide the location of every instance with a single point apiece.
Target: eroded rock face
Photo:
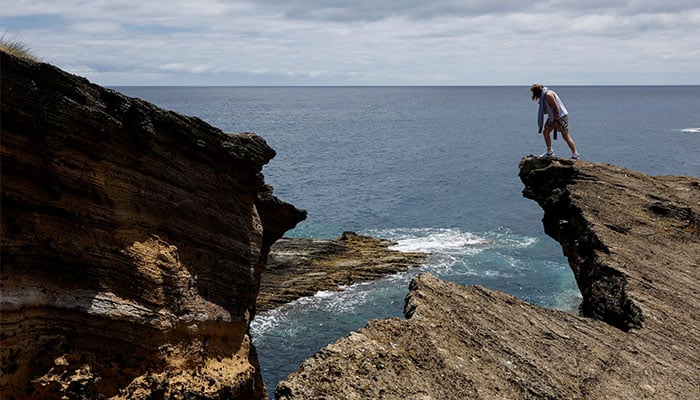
(633, 242)
(133, 240)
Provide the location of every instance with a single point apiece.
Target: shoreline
(299, 267)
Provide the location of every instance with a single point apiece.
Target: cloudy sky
(363, 42)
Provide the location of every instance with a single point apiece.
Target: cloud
(182, 67)
(369, 10)
(375, 10)
(363, 41)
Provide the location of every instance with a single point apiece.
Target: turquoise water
(434, 169)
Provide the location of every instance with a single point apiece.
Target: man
(557, 120)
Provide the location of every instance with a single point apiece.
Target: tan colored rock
(133, 240)
(633, 243)
(458, 343)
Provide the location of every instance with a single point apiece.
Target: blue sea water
(434, 169)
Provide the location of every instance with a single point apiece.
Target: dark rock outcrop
(299, 267)
(633, 242)
(133, 240)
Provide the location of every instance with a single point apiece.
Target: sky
(363, 42)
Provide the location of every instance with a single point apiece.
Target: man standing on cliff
(557, 120)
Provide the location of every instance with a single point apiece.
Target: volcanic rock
(299, 267)
(133, 240)
(633, 242)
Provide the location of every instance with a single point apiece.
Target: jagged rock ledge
(133, 240)
(299, 267)
(633, 242)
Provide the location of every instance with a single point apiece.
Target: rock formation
(133, 240)
(633, 242)
(299, 267)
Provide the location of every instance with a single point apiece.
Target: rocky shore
(298, 267)
(138, 244)
(633, 242)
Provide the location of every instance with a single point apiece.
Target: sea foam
(433, 240)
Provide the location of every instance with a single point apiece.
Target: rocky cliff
(633, 242)
(133, 240)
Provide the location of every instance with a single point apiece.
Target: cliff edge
(633, 242)
(133, 241)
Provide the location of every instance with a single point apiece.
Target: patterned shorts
(561, 125)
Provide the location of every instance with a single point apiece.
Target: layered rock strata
(133, 240)
(633, 242)
(299, 267)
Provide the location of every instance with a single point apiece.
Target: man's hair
(536, 90)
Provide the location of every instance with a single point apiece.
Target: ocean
(433, 169)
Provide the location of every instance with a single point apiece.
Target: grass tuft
(16, 48)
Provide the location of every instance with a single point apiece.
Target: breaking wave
(433, 240)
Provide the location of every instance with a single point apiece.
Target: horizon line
(393, 85)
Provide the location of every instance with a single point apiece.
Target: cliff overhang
(618, 228)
